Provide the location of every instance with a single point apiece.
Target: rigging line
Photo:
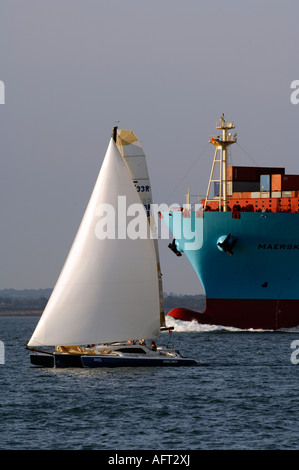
(247, 154)
(193, 204)
(188, 171)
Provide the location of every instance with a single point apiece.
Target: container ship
(243, 243)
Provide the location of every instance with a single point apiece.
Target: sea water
(244, 395)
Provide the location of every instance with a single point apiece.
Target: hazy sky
(167, 70)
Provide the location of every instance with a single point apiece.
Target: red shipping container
(250, 173)
(269, 171)
(276, 182)
(245, 173)
(285, 182)
(229, 173)
(243, 195)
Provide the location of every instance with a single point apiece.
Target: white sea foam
(190, 326)
(194, 326)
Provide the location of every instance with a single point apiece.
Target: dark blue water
(244, 396)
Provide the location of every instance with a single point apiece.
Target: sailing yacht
(108, 294)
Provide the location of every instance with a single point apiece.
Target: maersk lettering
(277, 246)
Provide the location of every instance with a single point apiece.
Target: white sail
(132, 152)
(108, 289)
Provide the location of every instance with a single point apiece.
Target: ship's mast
(221, 143)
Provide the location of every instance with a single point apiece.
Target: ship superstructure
(246, 243)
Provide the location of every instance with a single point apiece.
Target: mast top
(114, 133)
(222, 124)
(225, 139)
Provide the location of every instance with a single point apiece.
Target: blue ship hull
(253, 282)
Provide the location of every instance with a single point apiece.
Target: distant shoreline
(32, 302)
(20, 313)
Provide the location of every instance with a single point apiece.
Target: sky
(165, 69)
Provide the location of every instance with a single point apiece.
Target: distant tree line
(12, 300)
(22, 301)
(194, 302)
(8, 304)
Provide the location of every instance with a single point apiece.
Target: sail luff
(132, 152)
(107, 290)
